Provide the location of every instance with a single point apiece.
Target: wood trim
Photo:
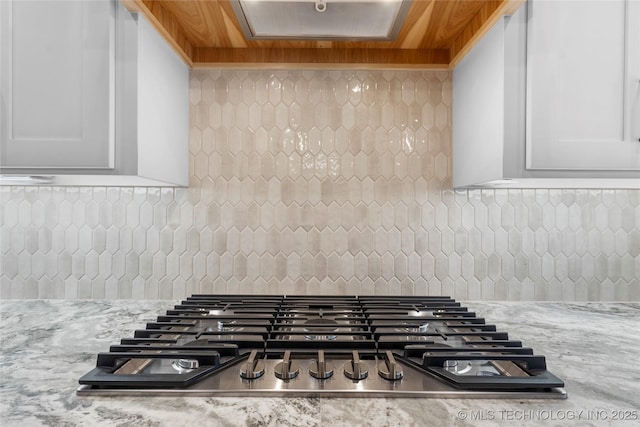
(480, 25)
(415, 33)
(165, 23)
(326, 58)
(344, 57)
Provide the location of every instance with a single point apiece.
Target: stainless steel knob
(356, 369)
(320, 369)
(390, 369)
(287, 369)
(252, 368)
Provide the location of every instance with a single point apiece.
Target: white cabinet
(583, 85)
(478, 112)
(57, 84)
(523, 118)
(163, 109)
(109, 107)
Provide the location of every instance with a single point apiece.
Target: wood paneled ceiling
(435, 34)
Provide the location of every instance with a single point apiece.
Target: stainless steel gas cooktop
(346, 346)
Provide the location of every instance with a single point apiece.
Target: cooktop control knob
(390, 369)
(320, 369)
(356, 369)
(252, 368)
(287, 369)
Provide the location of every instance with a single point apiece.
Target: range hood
(321, 19)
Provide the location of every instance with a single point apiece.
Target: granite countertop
(48, 344)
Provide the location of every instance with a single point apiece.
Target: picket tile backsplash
(320, 182)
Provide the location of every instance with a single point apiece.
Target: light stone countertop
(46, 345)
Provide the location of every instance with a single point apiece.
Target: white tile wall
(320, 182)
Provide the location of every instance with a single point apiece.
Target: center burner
(242, 345)
(320, 329)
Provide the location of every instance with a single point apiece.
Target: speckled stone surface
(48, 344)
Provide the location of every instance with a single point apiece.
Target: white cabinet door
(57, 84)
(478, 111)
(163, 109)
(583, 85)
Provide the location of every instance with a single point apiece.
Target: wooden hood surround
(436, 34)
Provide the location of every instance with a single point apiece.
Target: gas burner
(224, 325)
(320, 337)
(185, 365)
(320, 329)
(413, 327)
(477, 367)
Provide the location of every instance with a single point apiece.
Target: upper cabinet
(583, 85)
(91, 94)
(551, 98)
(57, 84)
